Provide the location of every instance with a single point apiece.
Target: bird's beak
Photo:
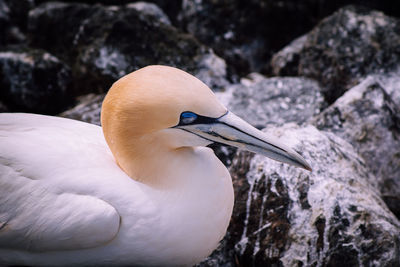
(232, 130)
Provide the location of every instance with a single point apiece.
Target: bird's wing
(39, 209)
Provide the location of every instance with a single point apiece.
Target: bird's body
(74, 205)
(146, 193)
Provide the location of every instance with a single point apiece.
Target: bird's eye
(188, 117)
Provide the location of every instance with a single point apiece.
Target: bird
(141, 190)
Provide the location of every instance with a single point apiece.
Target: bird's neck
(149, 160)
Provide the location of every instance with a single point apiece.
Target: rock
(343, 49)
(87, 109)
(222, 256)
(367, 117)
(18, 11)
(261, 101)
(332, 216)
(33, 81)
(105, 43)
(391, 83)
(3, 107)
(286, 61)
(150, 9)
(171, 8)
(247, 33)
(4, 21)
(241, 37)
(13, 15)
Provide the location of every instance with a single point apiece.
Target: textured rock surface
(13, 16)
(367, 117)
(342, 49)
(109, 42)
(33, 81)
(261, 101)
(246, 33)
(333, 216)
(237, 31)
(150, 9)
(87, 109)
(391, 83)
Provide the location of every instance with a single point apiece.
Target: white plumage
(65, 200)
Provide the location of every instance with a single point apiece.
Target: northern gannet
(146, 193)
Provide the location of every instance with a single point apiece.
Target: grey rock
(332, 216)
(391, 83)
(342, 49)
(261, 101)
(33, 81)
(104, 43)
(367, 117)
(87, 109)
(286, 61)
(150, 9)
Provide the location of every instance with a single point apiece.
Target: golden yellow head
(153, 98)
(150, 113)
(141, 108)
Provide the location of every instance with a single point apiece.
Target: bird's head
(170, 109)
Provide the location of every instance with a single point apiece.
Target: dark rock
(332, 216)
(104, 43)
(4, 21)
(261, 101)
(19, 12)
(171, 7)
(367, 117)
(222, 256)
(33, 81)
(244, 37)
(3, 107)
(247, 33)
(13, 17)
(342, 49)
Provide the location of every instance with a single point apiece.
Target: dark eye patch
(187, 117)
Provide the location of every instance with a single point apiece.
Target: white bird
(146, 193)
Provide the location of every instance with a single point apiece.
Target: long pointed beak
(232, 130)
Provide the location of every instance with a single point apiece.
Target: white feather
(64, 201)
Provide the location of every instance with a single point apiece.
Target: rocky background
(322, 75)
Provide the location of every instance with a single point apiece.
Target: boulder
(242, 32)
(247, 33)
(13, 17)
(332, 216)
(261, 101)
(171, 8)
(87, 109)
(33, 80)
(343, 49)
(103, 43)
(150, 9)
(367, 117)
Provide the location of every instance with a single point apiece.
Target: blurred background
(326, 70)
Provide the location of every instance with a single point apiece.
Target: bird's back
(42, 206)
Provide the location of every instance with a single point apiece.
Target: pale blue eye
(188, 117)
